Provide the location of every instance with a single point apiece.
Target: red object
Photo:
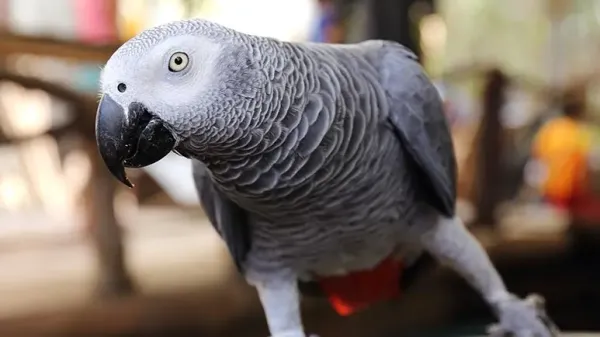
(356, 291)
(96, 20)
(558, 202)
(585, 206)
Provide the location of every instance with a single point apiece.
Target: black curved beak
(135, 138)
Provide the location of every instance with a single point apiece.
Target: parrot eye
(178, 62)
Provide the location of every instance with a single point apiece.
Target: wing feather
(417, 116)
(229, 220)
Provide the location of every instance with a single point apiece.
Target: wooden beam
(98, 195)
(17, 44)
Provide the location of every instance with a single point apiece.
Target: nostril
(121, 87)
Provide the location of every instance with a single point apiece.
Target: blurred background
(81, 255)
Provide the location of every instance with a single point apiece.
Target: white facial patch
(144, 69)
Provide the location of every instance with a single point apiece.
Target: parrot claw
(523, 318)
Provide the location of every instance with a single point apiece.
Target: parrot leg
(280, 299)
(452, 244)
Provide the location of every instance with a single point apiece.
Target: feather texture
(330, 165)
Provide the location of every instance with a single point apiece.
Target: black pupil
(121, 87)
(178, 60)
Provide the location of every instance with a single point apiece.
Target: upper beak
(135, 138)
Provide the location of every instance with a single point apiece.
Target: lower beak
(133, 138)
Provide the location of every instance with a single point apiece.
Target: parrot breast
(325, 182)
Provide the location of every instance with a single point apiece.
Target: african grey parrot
(322, 162)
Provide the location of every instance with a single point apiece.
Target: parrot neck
(261, 111)
(259, 126)
(215, 143)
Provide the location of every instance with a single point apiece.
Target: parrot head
(162, 86)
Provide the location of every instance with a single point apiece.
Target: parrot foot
(523, 318)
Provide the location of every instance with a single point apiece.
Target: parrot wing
(417, 116)
(229, 220)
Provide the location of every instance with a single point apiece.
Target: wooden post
(391, 20)
(103, 228)
(490, 149)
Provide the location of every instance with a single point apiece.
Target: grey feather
(416, 112)
(229, 220)
(339, 178)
